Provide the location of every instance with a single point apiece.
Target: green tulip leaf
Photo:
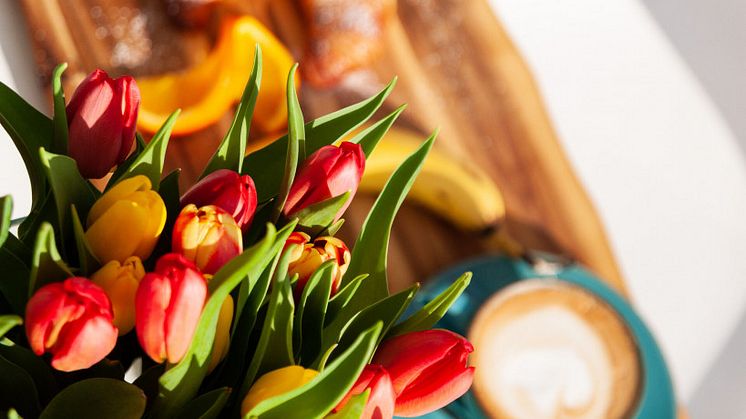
(279, 346)
(88, 262)
(333, 228)
(206, 406)
(9, 321)
(30, 130)
(230, 153)
(17, 247)
(97, 398)
(125, 165)
(148, 381)
(69, 188)
(6, 213)
(369, 137)
(354, 407)
(326, 356)
(386, 311)
(15, 282)
(46, 265)
(342, 298)
(251, 296)
(169, 192)
(60, 115)
(296, 146)
(150, 162)
(17, 389)
(180, 383)
(275, 346)
(371, 248)
(106, 368)
(45, 211)
(38, 369)
(315, 218)
(262, 216)
(267, 164)
(309, 318)
(426, 317)
(320, 395)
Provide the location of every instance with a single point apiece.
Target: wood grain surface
(457, 69)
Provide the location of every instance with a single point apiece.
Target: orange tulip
(308, 256)
(208, 236)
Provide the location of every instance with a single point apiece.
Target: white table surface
(657, 159)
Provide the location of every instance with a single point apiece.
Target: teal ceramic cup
(492, 273)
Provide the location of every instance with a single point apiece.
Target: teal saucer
(492, 273)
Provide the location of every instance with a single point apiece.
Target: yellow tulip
(222, 335)
(126, 221)
(274, 383)
(120, 281)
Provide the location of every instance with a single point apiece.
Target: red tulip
(329, 172)
(101, 118)
(228, 190)
(428, 369)
(72, 320)
(380, 404)
(168, 305)
(208, 236)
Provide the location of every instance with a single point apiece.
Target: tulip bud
(428, 369)
(308, 256)
(381, 399)
(329, 172)
(207, 236)
(120, 282)
(168, 305)
(228, 190)
(72, 320)
(222, 334)
(101, 118)
(126, 221)
(275, 383)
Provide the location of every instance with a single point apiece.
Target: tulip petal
(84, 342)
(151, 302)
(381, 400)
(43, 307)
(117, 234)
(407, 356)
(153, 204)
(433, 395)
(118, 192)
(130, 97)
(188, 295)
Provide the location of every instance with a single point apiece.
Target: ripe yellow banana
(462, 194)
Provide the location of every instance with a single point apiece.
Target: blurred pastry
(342, 35)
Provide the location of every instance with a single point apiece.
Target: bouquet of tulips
(231, 299)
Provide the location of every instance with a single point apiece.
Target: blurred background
(638, 135)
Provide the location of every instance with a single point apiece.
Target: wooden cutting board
(458, 70)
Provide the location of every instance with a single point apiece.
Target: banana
(460, 193)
